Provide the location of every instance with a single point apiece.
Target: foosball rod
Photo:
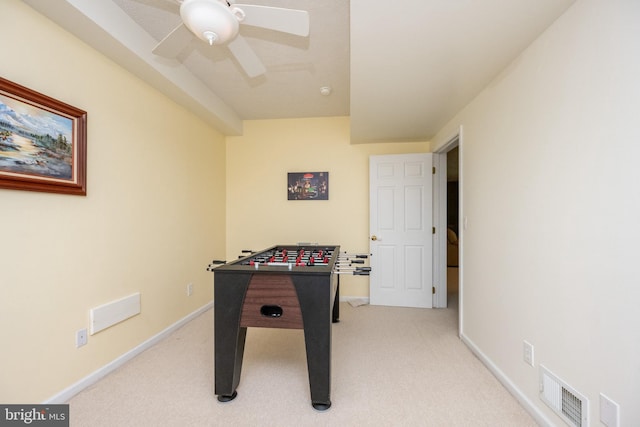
(350, 261)
(355, 273)
(215, 263)
(353, 269)
(354, 260)
(246, 251)
(348, 254)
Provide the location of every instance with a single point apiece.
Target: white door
(401, 230)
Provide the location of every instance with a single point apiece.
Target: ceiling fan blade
(174, 42)
(290, 21)
(247, 58)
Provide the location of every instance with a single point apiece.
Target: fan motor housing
(210, 20)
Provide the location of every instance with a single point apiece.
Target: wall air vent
(570, 405)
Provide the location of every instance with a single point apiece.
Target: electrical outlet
(527, 352)
(189, 289)
(81, 338)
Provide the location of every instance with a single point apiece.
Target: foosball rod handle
(348, 269)
(355, 255)
(246, 251)
(215, 263)
(354, 272)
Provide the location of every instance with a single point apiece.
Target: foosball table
(285, 286)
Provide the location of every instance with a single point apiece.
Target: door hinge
(434, 170)
(433, 230)
(433, 290)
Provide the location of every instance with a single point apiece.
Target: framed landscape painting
(308, 186)
(43, 142)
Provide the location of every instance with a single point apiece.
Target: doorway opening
(453, 220)
(448, 260)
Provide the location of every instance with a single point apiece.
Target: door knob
(374, 237)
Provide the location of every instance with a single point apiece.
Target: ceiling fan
(217, 22)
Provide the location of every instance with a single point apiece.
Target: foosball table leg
(229, 336)
(335, 315)
(315, 304)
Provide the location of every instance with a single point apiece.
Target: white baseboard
(528, 405)
(66, 394)
(348, 298)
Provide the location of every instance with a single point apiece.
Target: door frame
(440, 224)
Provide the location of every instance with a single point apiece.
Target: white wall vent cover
(570, 405)
(114, 312)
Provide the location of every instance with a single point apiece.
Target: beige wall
(549, 166)
(258, 212)
(152, 219)
(155, 211)
(550, 169)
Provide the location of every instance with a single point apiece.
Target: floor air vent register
(570, 405)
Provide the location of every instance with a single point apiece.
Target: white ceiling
(400, 70)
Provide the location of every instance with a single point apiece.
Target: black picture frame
(308, 186)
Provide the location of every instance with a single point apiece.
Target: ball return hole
(271, 311)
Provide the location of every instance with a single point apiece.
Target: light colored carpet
(391, 367)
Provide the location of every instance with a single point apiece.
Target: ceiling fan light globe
(206, 17)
